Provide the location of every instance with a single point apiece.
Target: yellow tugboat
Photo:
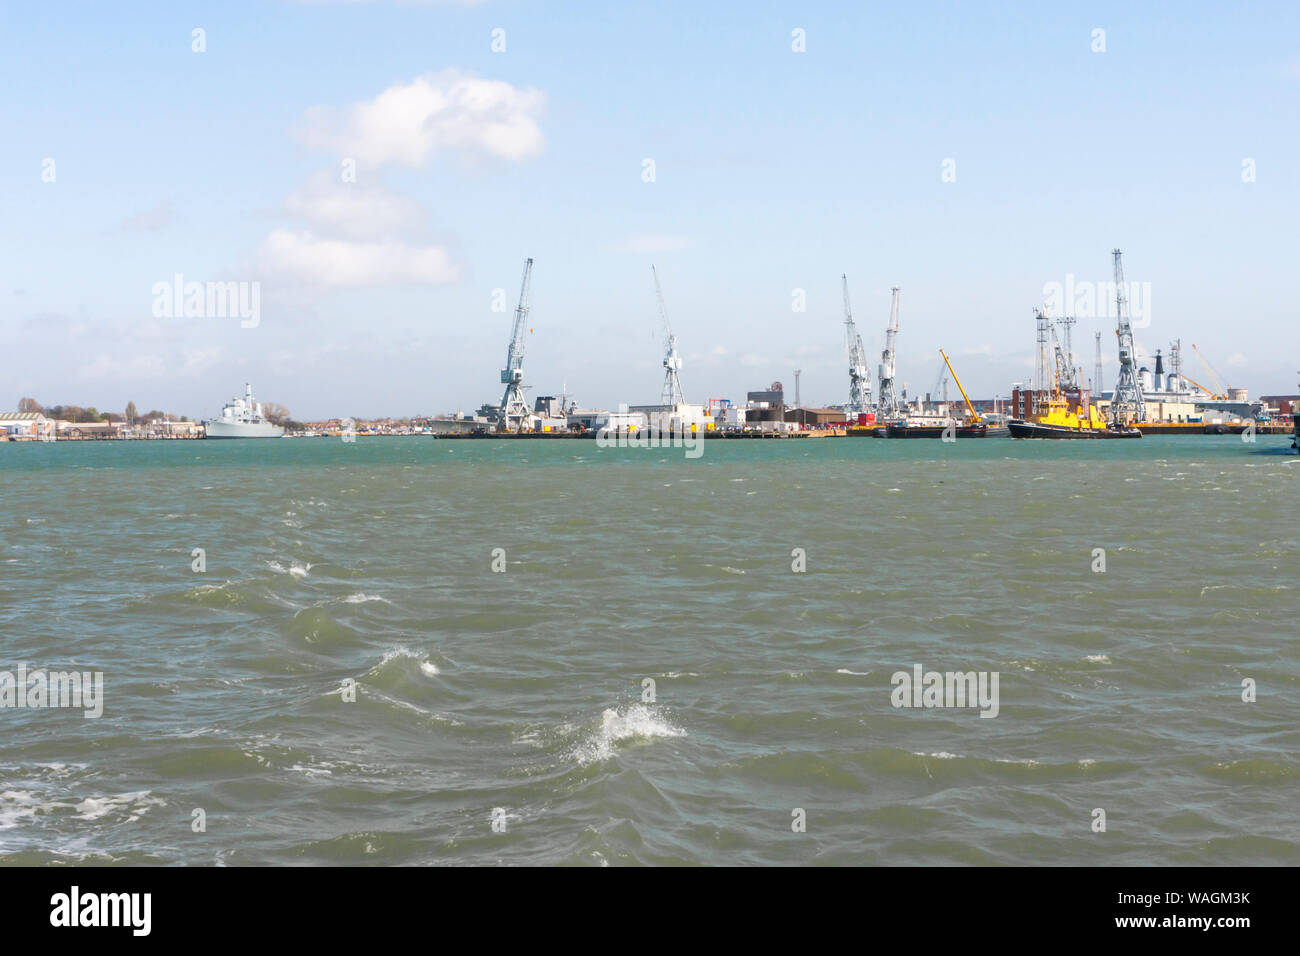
(1060, 422)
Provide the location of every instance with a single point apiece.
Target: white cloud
(340, 263)
(151, 221)
(132, 368)
(1237, 360)
(356, 210)
(654, 243)
(451, 111)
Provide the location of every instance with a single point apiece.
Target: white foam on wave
(427, 667)
(635, 722)
(397, 652)
(134, 805)
(1098, 658)
(18, 806)
(297, 569)
(362, 598)
(845, 670)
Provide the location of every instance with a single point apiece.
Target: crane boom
(1200, 386)
(1222, 393)
(974, 415)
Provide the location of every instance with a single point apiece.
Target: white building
(26, 426)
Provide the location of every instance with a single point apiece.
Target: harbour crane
(1127, 404)
(672, 393)
(859, 373)
(889, 407)
(975, 417)
(940, 392)
(514, 408)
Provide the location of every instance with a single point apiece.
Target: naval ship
(242, 418)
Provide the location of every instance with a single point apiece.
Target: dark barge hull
(1032, 430)
(936, 431)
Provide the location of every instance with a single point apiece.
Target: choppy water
(522, 690)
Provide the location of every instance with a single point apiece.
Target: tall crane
(1126, 404)
(859, 373)
(889, 407)
(672, 393)
(514, 408)
(940, 393)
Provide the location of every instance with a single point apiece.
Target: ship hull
(215, 428)
(937, 431)
(1034, 430)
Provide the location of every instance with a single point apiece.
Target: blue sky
(774, 171)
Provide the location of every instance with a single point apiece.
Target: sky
(377, 172)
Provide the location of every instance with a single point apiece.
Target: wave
(637, 722)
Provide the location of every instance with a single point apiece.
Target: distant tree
(130, 413)
(275, 412)
(29, 405)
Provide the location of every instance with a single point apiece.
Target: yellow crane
(1201, 387)
(974, 415)
(1222, 393)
